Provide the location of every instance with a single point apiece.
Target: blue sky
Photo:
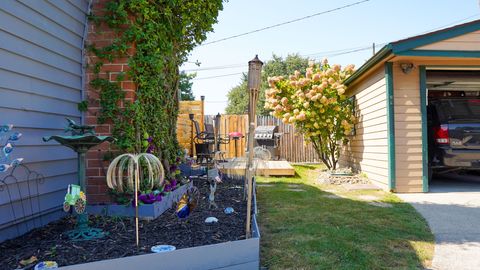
(376, 21)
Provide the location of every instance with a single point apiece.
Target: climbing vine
(156, 37)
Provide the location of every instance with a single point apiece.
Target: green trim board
(423, 108)
(390, 126)
(405, 46)
(432, 37)
(434, 53)
(377, 58)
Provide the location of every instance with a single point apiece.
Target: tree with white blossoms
(315, 103)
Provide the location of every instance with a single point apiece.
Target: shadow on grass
(304, 227)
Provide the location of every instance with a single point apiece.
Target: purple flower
(167, 188)
(150, 149)
(149, 198)
(150, 139)
(173, 183)
(173, 168)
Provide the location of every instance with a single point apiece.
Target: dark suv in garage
(454, 134)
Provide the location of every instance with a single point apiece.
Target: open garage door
(453, 126)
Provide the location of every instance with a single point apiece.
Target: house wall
(367, 151)
(408, 128)
(41, 45)
(467, 42)
(96, 166)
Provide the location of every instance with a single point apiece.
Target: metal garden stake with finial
(126, 172)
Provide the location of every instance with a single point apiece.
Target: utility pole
(373, 48)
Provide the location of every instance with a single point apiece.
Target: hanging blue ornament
(6, 128)
(4, 167)
(7, 149)
(15, 136)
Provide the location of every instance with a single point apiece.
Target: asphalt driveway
(452, 210)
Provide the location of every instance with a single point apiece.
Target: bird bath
(81, 139)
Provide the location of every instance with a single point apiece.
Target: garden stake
(137, 176)
(131, 162)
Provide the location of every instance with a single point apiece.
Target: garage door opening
(453, 128)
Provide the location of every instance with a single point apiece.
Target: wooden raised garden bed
(145, 211)
(199, 245)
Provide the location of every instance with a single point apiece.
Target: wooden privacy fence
(185, 129)
(232, 123)
(292, 146)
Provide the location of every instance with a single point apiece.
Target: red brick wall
(101, 35)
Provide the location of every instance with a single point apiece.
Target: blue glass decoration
(7, 144)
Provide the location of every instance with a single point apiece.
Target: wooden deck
(265, 168)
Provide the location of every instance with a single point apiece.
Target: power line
(218, 76)
(332, 53)
(325, 53)
(284, 23)
(216, 101)
(215, 67)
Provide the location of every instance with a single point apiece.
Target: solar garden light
(254, 81)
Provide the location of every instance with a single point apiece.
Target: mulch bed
(48, 243)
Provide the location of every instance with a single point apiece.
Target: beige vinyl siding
(408, 130)
(467, 42)
(367, 150)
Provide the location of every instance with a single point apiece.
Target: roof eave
(374, 60)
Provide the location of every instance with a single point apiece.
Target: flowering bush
(316, 104)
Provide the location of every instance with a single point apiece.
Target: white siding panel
(367, 150)
(41, 46)
(17, 27)
(24, 83)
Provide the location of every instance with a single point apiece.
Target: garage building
(391, 92)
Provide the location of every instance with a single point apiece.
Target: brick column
(101, 35)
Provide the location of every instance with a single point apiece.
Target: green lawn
(308, 230)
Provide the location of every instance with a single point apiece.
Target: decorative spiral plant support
(127, 171)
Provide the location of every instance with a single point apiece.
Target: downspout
(84, 64)
(390, 126)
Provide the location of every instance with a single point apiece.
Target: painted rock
(46, 265)
(211, 220)
(228, 210)
(162, 248)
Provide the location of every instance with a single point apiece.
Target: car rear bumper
(461, 158)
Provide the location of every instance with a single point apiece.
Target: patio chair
(204, 142)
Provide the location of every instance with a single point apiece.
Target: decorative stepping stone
(331, 196)
(296, 189)
(360, 187)
(368, 197)
(381, 204)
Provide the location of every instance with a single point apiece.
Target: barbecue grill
(268, 137)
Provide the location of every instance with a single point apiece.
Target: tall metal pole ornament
(254, 81)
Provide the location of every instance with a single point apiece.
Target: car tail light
(441, 134)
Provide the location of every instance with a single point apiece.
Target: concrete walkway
(452, 210)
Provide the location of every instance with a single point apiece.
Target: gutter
(84, 55)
